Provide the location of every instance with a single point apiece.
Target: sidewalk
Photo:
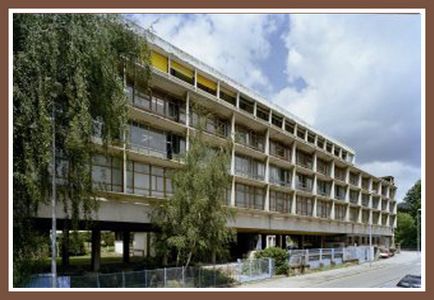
(382, 273)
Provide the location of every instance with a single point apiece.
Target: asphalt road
(384, 273)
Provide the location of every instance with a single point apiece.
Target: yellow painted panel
(181, 69)
(206, 82)
(159, 61)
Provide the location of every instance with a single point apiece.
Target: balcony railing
(281, 182)
(304, 186)
(254, 142)
(323, 192)
(154, 152)
(247, 174)
(304, 162)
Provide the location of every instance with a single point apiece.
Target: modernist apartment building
(290, 182)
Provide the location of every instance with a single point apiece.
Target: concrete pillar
(314, 162)
(218, 89)
(332, 169)
(65, 246)
(126, 246)
(332, 211)
(347, 194)
(293, 179)
(195, 79)
(238, 100)
(267, 198)
(315, 203)
(293, 153)
(96, 250)
(347, 213)
(314, 186)
(255, 108)
(294, 203)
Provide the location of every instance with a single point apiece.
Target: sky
(355, 77)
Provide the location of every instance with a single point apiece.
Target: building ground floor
(138, 239)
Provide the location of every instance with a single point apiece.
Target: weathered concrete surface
(381, 274)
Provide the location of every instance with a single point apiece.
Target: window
(340, 192)
(337, 151)
(304, 206)
(280, 202)
(340, 211)
(148, 180)
(365, 216)
(311, 138)
(323, 209)
(354, 214)
(354, 179)
(365, 183)
(246, 105)
(375, 217)
(155, 142)
(304, 182)
(249, 196)
(289, 126)
(375, 202)
(329, 147)
(301, 133)
(276, 120)
(206, 84)
(384, 220)
(365, 200)
(107, 173)
(391, 221)
(249, 167)
(354, 196)
(320, 142)
(323, 167)
(304, 159)
(323, 188)
(262, 113)
(383, 204)
(249, 138)
(181, 72)
(228, 96)
(280, 176)
(340, 173)
(279, 150)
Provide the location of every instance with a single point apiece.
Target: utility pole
(53, 203)
(370, 244)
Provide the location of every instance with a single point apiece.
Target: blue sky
(355, 77)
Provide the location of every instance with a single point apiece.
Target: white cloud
(231, 43)
(363, 81)
(405, 175)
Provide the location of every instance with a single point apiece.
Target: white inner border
(421, 12)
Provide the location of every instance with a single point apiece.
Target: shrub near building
(280, 257)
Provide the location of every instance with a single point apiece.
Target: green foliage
(193, 221)
(72, 62)
(406, 232)
(280, 257)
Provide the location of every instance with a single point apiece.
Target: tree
(193, 222)
(71, 63)
(412, 199)
(406, 231)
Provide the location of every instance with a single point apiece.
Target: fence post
(270, 267)
(165, 275)
(183, 276)
(123, 279)
(333, 255)
(320, 256)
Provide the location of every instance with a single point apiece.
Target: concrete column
(315, 161)
(255, 108)
(283, 123)
(347, 213)
(293, 153)
(370, 201)
(65, 246)
(267, 141)
(294, 178)
(126, 246)
(233, 192)
(315, 203)
(314, 185)
(347, 194)
(233, 145)
(332, 190)
(267, 198)
(370, 217)
(359, 199)
(347, 175)
(332, 211)
(332, 169)
(294, 203)
(295, 128)
(96, 250)
(359, 216)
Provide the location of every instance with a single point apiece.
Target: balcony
(340, 174)
(354, 179)
(304, 160)
(249, 168)
(354, 197)
(250, 139)
(305, 186)
(365, 200)
(323, 167)
(280, 151)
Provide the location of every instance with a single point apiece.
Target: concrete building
(292, 185)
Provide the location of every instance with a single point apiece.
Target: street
(384, 273)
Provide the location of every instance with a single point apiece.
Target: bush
(280, 257)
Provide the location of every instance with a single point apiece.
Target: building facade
(292, 185)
